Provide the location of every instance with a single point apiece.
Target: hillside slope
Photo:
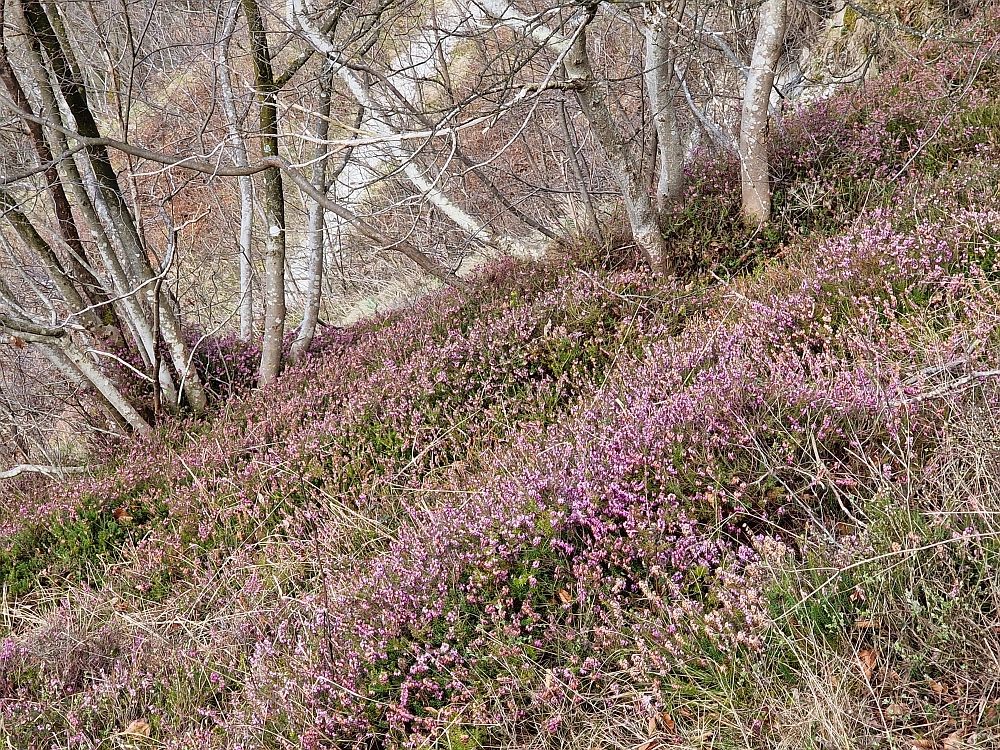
(582, 508)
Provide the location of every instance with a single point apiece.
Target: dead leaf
(668, 721)
(896, 710)
(954, 741)
(138, 728)
(564, 596)
(866, 660)
(940, 688)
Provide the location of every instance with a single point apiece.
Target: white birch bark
(643, 218)
(754, 166)
(662, 86)
(317, 228)
(381, 122)
(104, 385)
(241, 157)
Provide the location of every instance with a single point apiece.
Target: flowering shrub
(833, 158)
(575, 499)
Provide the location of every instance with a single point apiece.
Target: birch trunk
(641, 213)
(274, 200)
(314, 289)
(120, 214)
(662, 86)
(573, 159)
(57, 357)
(382, 123)
(106, 388)
(129, 308)
(91, 288)
(58, 347)
(241, 157)
(754, 167)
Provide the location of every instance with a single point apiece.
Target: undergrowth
(581, 508)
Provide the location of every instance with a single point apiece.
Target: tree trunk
(246, 182)
(662, 85)
(573, 159)
(75, 96)
(642, 216)
(129, 307)
(104, 385)
(274, 200)
(382, 122)
(754, 167)
(91, 287)
(314, 290)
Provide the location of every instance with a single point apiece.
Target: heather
(579, 507)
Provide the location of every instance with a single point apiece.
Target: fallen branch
(49, 471)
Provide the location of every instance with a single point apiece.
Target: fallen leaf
(896, 710)
(939, 688)
(138, 728)
(668, 721)
(564, 596)
(866, 660)
(954, 741)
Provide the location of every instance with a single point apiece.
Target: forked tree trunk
(754, 167)
(129, 306)
(642, 215)
(274, 200)
(74, 94)
(317, 228)
(81, 275)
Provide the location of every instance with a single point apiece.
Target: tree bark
(317, 228)
(754, 166)
(274, 200)
(75, 96)
(91, 288)
(58, 347)
(662, 86)
(642, 216)
(241, 157)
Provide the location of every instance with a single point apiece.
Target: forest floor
(581, 508)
